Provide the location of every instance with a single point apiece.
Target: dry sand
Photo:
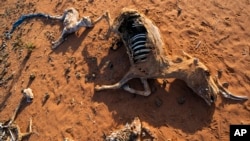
(69, 73)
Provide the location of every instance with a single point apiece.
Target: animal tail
(31, 16)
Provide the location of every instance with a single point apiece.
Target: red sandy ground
(76, 111)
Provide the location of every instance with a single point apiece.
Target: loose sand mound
(69, 73)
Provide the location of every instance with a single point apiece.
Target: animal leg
(15, 112)
(110, 23)
(20, 137)
(117, 85)
(146, 91)
(61, 39)
(100, 18)
(12, 135)
(147, 131)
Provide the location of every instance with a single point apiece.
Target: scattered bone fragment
(28, 94)
(131, 132)
(11, 131)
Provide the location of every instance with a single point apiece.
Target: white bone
(138, 36)
(136, 43)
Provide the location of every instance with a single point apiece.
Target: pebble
(32, 77)
(78, 76)
(45, 98)
(225, 85)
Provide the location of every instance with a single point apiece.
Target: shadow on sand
(161, 108)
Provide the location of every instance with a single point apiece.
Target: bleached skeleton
(131, 132)
(70, 19)
(148, 59)
(10, 131)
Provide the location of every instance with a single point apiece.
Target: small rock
(45, 98)
(78, 76)
(225, 85)
(66, 71)
(67, 77)
(50, 59)
(146, 11)
(58, 99)
(179, 10)
(72, 102)
(32, 77)
(204, 23)
(69, 130)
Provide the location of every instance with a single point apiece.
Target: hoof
(53, 47)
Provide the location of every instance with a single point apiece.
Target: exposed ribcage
(138, 49)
